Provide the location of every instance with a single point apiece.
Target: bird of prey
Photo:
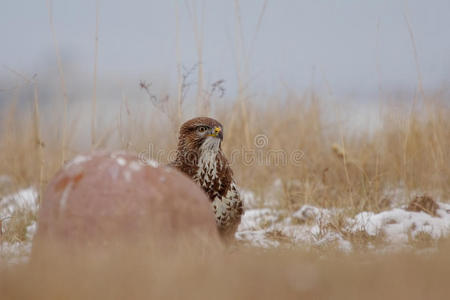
(200, 156)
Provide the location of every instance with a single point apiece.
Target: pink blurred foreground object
(103, 197)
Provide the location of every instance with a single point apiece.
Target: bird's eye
(202, 129)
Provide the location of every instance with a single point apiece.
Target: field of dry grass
(187, 272)
(334, 168)
(320, 161)
(334, 209)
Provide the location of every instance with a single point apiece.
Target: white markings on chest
(208, 165)
(228, 207)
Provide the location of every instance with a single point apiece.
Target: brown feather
(200, 157)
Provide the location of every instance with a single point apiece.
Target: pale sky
(336, 42)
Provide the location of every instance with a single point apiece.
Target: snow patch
(121, 161)
(151, 163)
(77, 160)
(15, 252)
(23, 200)
(311, 213)
(399, 225)
(249, 199)
(313, 226)
(134, 166)
(258, 238)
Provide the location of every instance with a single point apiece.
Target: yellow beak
(216, 132)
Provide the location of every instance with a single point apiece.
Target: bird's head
(198, 131)
(201, 134)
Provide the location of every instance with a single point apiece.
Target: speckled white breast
(227, 208)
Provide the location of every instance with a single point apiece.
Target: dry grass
(338, 168)
(350, 170)
(316, 159)
(187, 272)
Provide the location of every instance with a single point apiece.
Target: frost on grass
(23, 199)
(18, 225)
(318, 227)
(400, 226)
(270, 227)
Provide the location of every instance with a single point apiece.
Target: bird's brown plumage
(199, 155)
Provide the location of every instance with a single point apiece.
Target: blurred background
(346, 50)
(80, 75)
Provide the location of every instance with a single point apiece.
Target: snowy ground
(270, 227)
(10, 206)
(317, 227)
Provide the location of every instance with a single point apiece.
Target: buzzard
(200, 156)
